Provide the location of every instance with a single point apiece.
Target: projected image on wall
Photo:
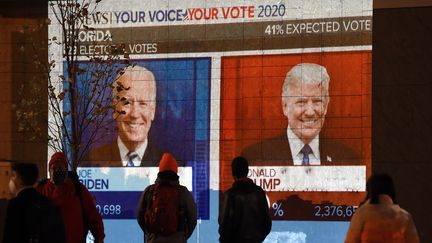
(303, 122)
(163, 106)
(286, 84)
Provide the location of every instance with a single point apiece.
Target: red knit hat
(58, 157)
(168, 162)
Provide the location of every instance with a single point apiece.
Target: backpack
(163, 211)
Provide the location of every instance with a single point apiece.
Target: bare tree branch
(80, 108)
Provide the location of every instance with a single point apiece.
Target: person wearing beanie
(244, 213)
(167, 186)
(75, 201)
(168, 162)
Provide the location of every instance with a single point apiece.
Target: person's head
(239, 167)
(305, 98)
(134, 98)
(168, 163)
(58, 168)
(22, 175)
(380, 184)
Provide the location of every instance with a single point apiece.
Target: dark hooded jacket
(244, 214)
(31, 217)
(187, 205)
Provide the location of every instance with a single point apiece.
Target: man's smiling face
(139, 109)
(305, 107)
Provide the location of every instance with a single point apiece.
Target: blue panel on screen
(110, 207)
(182, 119)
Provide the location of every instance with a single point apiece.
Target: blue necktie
(131, 155)
(306, 150)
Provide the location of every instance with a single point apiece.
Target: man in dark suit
(134, 99)
(305, 99)
(30, 216)
(109, 156)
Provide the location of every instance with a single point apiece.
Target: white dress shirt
(124, 151)
(296, 144)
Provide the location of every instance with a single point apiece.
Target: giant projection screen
(220, 68)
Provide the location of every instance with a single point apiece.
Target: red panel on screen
(251, 110)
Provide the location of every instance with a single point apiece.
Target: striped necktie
(132, 155)
(306, 150)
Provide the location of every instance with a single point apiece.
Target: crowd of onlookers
(61, 209)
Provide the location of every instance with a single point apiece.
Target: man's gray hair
(307, 73)
(134, 71)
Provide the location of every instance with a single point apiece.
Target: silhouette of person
(30, 216)
(379, 218)
(187, 218)
(75, 201)
(244, 212)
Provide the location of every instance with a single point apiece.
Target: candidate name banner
(108, 185)
(286, 84)
(309, 178)
(105, 179)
